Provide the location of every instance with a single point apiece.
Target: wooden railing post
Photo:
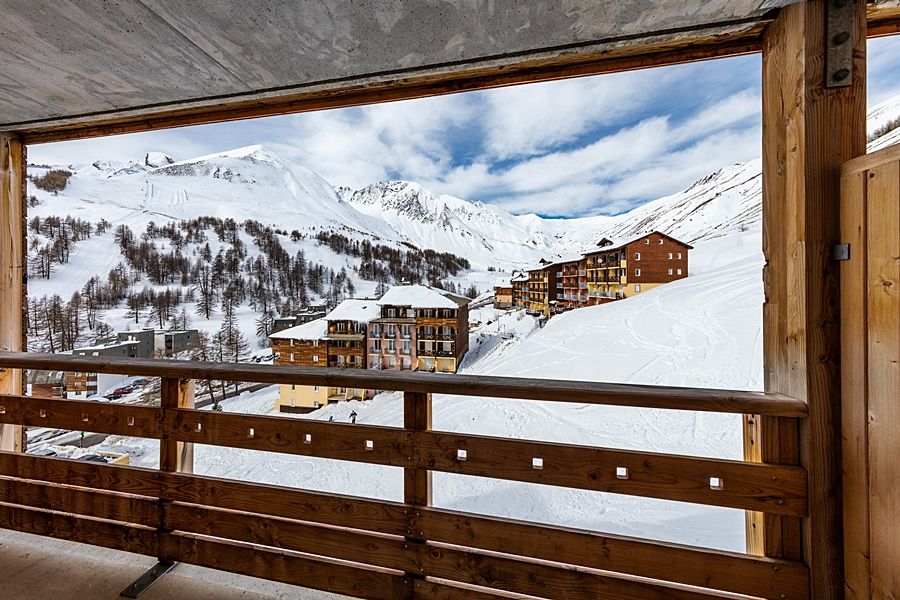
(174, 456)
(416, 480)
(12, 275)
(809, 131)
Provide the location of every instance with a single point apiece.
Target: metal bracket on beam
(147, 579)
(840, 252)
(839, 25)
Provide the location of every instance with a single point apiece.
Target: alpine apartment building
(411, 328)
(615, 269)
(337, 340)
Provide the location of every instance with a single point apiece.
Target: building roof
(421, 296)
(352, 309)
(106, 346)
(617, 243)
(314, 330)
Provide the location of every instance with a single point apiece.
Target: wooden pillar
(808, 132)
(416, 481)
(175, 456)
(12, 274)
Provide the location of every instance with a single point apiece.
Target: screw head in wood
(841, 74)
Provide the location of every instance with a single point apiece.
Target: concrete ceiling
(65, 59)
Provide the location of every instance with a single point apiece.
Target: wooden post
(416, 481)
(176, 456)
(808, 132)
(12, 274)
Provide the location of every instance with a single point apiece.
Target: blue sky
(594, 145)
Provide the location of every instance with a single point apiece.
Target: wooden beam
(755, 576)
(12, 274)
(808, 132)
(553, 390)
(417, 479)
(770, 488)
(82, 415)
(175, 456)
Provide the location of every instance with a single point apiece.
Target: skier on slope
(353, 417)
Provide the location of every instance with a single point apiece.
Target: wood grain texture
(808, 133)
(512, 574)
(97, 532)
(584, 392)
(174, 454)
(81, 415)
(12, 274)
(854, 387)
(304, 570)
(770, 488)
(883, 321)
(371, 444)
(140, 510)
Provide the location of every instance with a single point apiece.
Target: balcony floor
(37, 568)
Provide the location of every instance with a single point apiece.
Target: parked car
(93, 458)
(113, 396)
(123, 390)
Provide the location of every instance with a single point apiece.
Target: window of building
(679, 256)
(679, 271)
(637, 256)
(660, 241)
(292, 357)
(315, 343)
(293, 386)
(637, 272)
(392, 346)
(637, 288)
(647, 241)
(315, 388)
(670, 256)
(315, 357)
(670, 271)
(376, 345)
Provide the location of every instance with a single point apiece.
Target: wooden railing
(378, 549)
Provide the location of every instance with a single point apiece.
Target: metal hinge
(839, 20)
(840, 252)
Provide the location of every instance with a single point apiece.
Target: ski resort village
(450, 300)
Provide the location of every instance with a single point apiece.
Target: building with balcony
(338, 340)
(503, 295)
(542, 288)
(620, 268)
(571, 283)
(439, 335)
(519, 283)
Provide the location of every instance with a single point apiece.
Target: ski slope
(701, 331)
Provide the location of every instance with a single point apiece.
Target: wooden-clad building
(338, 340)
(542, 290)
(503, 295)
(571, 283)
(620, 268)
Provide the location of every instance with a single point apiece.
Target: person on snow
(353, 417)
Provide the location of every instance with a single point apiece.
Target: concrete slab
(40, 568)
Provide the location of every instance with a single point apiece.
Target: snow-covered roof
(617, 242)
(355, 310)
(313, 330)
(421, 296)
(106, 346)
(568, 258)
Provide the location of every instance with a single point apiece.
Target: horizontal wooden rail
(82, 415)
(775, 489)
(289, 513)
(584, 392)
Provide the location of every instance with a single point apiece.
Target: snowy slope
(702, 331)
